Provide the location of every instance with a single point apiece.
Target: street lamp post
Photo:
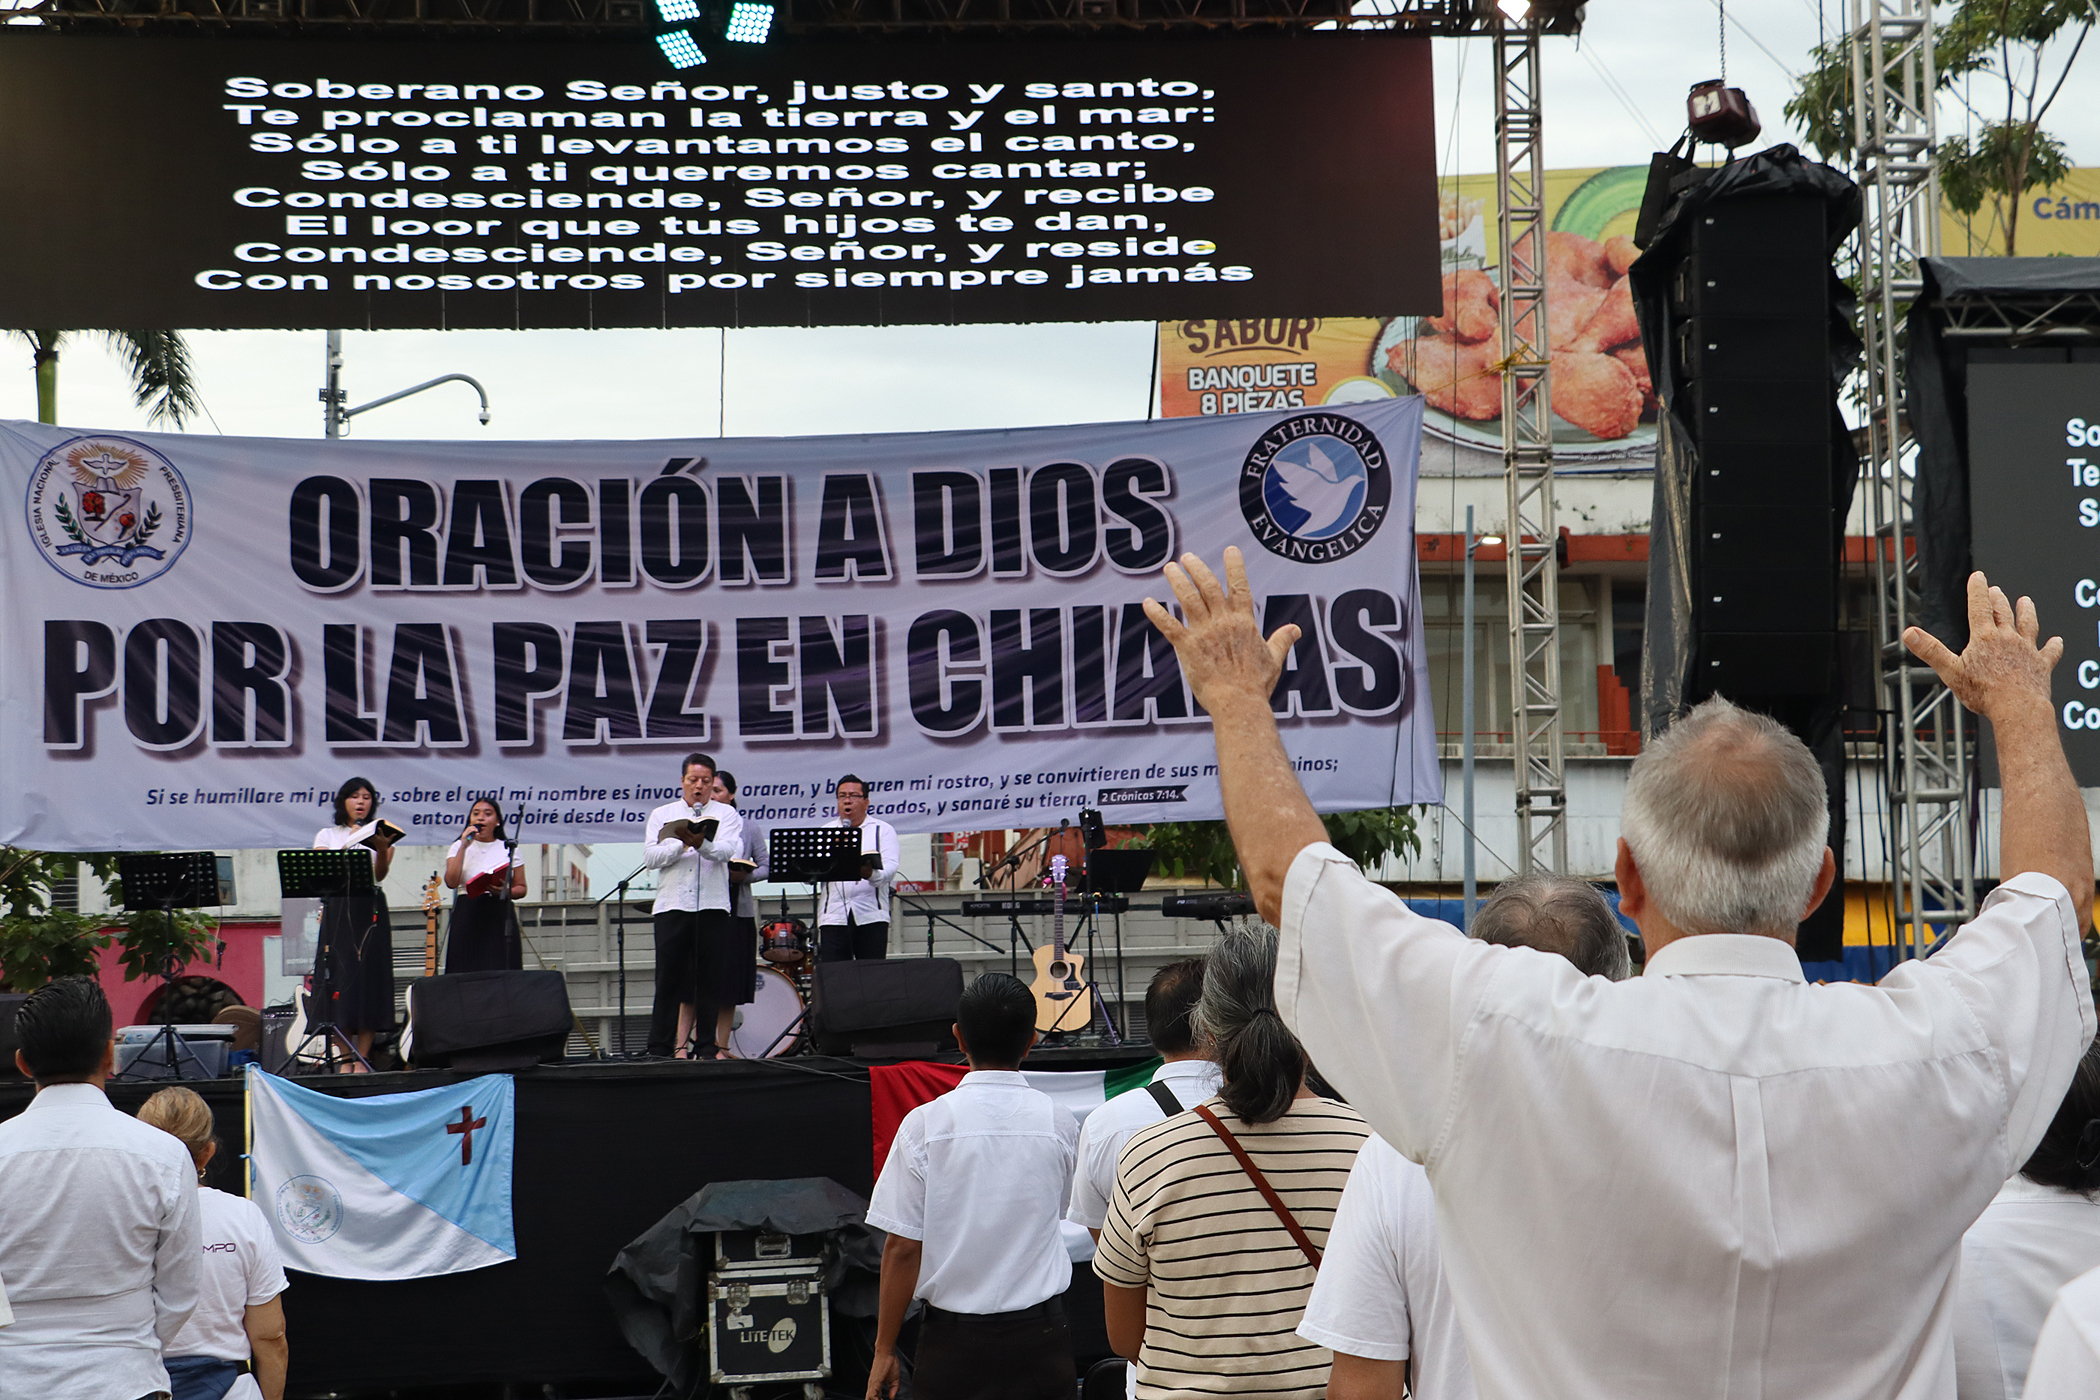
(335, 417)
(1466, 734)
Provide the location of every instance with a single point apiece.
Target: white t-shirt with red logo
(241, 1268)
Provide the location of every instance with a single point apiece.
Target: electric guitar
(430, 927)
(1060, 994)
(406, 1046)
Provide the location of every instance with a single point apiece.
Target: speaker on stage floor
(890, 1007)
(488, 1020)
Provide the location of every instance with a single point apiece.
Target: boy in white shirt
(971, 1196)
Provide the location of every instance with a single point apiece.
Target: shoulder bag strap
(1164, 1097)
(1261, 1184)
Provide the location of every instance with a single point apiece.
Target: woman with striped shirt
(1204, 1274)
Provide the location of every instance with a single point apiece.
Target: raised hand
(2001, 666)
(1222, 651)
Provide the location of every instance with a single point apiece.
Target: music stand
(815, 856)
(339, 874)
(166, 881)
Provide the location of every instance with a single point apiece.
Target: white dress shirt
(1380, 1293)
(1678, 1185)
(980, 1175)
(693, 879)
(2028, 1243)
(99, 1240)
(478, 858)
(868, 901)
(241, 1269)
(2066, 1362)
(1107, 1128)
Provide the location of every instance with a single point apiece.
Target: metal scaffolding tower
(1531, 539)
(1927, 741)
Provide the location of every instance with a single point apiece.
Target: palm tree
(159, 363)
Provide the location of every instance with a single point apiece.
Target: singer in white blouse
(483, 933)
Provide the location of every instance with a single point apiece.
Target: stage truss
(1532, 538)
(1928, 744)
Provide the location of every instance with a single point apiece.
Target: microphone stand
(620, 940)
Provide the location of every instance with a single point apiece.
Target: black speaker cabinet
(885, 1007)
(488, 1020)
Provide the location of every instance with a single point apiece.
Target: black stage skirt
(360, 962)
(483, 935)
(739, 973)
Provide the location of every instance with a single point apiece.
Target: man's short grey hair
(1557, 914)
(1726, 815)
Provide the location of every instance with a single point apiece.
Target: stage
(604, 1149)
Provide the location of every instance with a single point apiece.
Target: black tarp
(1937, 403)
(657, 1283)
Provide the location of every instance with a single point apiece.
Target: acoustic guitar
(406, 1045)
(1059, 992)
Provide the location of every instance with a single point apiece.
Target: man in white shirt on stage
(691, 911)
(1678, 1184)
(1186, 1079)
(971, 1196)
(99, 1231)
(855, 919)
(1380, 1302)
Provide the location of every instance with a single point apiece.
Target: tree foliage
(2011, 45)
(1204, 849)
(158, 362)
(39, 941)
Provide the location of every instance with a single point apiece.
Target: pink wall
(242, 970)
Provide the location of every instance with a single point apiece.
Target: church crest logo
(108, 512)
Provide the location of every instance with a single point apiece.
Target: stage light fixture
(750, 22)
(679, 48)
(677, 11)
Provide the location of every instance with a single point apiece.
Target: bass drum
(772, 1019)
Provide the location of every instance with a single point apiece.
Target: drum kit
(772, 1024)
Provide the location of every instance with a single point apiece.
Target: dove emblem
(1328, 491)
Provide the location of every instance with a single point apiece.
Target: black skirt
(483, 935)
(358, 947)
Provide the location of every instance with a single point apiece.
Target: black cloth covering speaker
(892, 1002)
(490, 1019)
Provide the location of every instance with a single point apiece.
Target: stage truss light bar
(635, 18)
(750, 22)
(679, 48)
(677, 11)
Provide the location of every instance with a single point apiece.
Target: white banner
(204, 636)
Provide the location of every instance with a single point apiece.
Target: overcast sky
(1608, 98)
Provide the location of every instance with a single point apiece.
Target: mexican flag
(895, 1090)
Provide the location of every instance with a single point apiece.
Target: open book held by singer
(490, 881)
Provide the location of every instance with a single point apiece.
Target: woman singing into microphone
(356, 956)
(484, 929)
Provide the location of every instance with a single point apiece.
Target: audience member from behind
(1706, 1147)
(972, 1195)
(1381, 1301)
(98, 1217)
(1203, 1279)
(1188, 1077)
(2042, 1231)
(239, 1320)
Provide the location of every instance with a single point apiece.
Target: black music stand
(620, 925)
(815, 856)
(165, 881)
(339, 874)
(1114, 872)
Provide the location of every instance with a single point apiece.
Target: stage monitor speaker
(890, 1007)
(10, 1002)
(489, 1020)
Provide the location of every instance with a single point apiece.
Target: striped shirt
(1227, 1284)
